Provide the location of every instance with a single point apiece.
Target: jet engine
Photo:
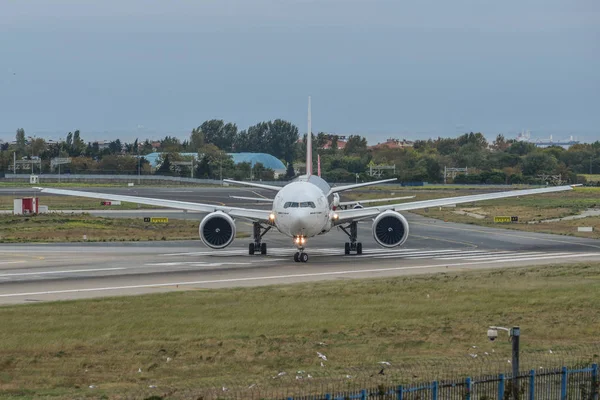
(217, 230)
(390, 229)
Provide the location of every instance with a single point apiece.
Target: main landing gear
(259, 231)
(353, 245)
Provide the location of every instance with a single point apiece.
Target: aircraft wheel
(359, 248)
(346, 248)
(263, 248)
(304, 257)
(297, 257)
(251, 248)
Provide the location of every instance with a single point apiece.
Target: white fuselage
(302, 210)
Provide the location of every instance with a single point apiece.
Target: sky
(380, 68)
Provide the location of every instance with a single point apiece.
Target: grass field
(23, 185)
(591, 177)
(188, 340)
(71, 228)
(71, 203)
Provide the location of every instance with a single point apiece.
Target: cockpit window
(304, 204)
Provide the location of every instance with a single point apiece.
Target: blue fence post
(327, 396)
(563, 384)
(468, 385)
(399, 392)
(595, 381)
(532, 384)
(501, 387)
(363, 394)
(434, 390)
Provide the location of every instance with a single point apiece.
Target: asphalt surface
(42, 272)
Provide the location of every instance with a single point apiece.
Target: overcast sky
(413, 69)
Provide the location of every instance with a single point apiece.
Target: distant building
(393, 144)
(269, 161)
(102, 144)
(566, 143)
(341, 144)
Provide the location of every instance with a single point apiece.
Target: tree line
(502, 161)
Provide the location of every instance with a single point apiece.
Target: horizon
(382, 138)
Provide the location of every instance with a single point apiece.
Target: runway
(31, 273)
(43, 272)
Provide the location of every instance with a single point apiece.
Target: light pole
(514, 334)
(139, 161)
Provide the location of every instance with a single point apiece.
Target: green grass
(246, 335)
(591, 177)
(71, 228)
(72, 203)
(23, 185)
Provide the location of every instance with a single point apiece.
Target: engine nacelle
(357, 206)
(217, 230)
(390, 229)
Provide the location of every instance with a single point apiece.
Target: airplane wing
(350, 203)
(367, 212)
(336, 189)
(264, 199)
(253, 184)
(250, 214)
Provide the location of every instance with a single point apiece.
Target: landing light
(271, 217)
(335, 216)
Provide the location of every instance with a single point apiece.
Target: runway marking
(512, 254)
(288, 251)
(258, 194)
(472, 245)
(427, 254)
(195, 264)
(273, 277)
(11, 262)
(61, 272)
(493, 231)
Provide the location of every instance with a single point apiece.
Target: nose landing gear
(300, 256)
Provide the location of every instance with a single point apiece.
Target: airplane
(303, 209)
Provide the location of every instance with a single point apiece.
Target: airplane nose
(303, 223)
(299, 226)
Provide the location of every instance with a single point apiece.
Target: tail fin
(319, 165)
(309, 165)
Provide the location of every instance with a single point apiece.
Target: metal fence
(558, 383)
